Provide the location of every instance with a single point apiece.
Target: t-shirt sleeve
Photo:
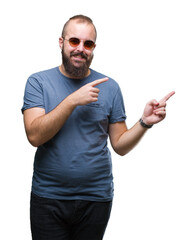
(118, 108)
(33, 96)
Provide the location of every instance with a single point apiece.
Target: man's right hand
(87, 94)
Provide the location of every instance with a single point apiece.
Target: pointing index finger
(98, 81)
(167, 97)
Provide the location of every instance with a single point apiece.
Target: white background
(149, 48)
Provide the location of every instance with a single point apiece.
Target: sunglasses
(74, 42)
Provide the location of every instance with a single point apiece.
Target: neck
(62, 70)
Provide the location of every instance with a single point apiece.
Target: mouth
(79, 56)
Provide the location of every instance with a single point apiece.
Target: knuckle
(90, 89)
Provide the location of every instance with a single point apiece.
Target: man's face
(76, 60)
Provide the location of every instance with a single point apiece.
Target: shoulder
(41, 75)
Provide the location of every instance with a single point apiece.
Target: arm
(124, 140)
(41, 127)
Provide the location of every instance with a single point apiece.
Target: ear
(61, 43)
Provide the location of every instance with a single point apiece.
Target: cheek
(89, 54)
(66, 50)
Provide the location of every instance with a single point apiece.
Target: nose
(80, 47)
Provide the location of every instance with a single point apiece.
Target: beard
(73, 71)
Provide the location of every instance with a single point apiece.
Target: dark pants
(68, 220)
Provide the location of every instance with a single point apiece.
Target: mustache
(81, 54)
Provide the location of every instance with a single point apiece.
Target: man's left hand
(154, 111)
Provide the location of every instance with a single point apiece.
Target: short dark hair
(82, 19)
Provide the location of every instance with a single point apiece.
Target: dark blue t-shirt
(76, 162)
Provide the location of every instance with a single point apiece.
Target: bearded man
(69, 113)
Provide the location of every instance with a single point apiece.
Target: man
(69, 112)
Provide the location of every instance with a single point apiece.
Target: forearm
(129, 139)
(45, 127)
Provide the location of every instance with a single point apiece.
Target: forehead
(81, 30)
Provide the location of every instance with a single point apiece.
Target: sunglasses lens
(89, 44)
(74, 42)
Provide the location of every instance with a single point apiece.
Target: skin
(41, 127)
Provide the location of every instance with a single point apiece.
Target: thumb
(153, 103)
